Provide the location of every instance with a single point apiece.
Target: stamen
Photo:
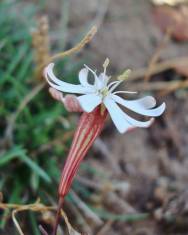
(104, 92)
(93, 72)
(112, 83)
(124, 75)
(125, 92)
(105, 65)
(115, 86)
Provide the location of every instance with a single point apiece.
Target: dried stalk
(36, 207)
(155, 86)
(85, 209)
(158, 68)
(157, 53)
(41, 45)
(75, 49)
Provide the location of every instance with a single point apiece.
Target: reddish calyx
(89, 127)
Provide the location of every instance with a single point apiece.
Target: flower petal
(83, 77)
(104, 78)
(63, 86)
(120, 118)
(117, 115)
(98, 83)
(141, 106)
(89, 102)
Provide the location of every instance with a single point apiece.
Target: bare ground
(150, 165)
(144, 171)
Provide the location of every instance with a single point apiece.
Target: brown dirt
(152, 162)
(149, 165)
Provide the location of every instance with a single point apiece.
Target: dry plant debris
(41, 44)
(175, 19)
(169, 2)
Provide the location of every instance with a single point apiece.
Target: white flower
(103, 92)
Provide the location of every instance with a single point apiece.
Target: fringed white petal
(140, 106)
(117, 115)
(104, 78)
(83, 77)
(147, 102)
(121, 119)
(89, 102)
(137, 123)
(63, 86)
(98, 83)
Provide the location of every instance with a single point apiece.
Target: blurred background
(128, 184)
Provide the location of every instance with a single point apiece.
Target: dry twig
(85, 209)
(100, 145)
(159, 67)
(105, 228)
(155, 86)
(41, 45)
(36, 207)
(157, 53)
(75, 49)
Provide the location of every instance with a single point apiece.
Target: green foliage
(32, 149)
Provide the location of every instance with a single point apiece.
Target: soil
(148, 166)
(143, 172)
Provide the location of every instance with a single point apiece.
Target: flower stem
(58, 216)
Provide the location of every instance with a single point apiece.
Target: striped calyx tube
(89, 127)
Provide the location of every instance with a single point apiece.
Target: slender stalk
(42, 230)
(58, 216)
(75, 49)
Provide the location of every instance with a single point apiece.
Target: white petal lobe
(83, 77)
(63, 86)
(140, 106)
(147, 102)
(98, 83)
(121, 119)
(89, 102)
(117, 115)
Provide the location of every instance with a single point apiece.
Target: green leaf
(19, 153)
(14, 198)
(120, 217)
